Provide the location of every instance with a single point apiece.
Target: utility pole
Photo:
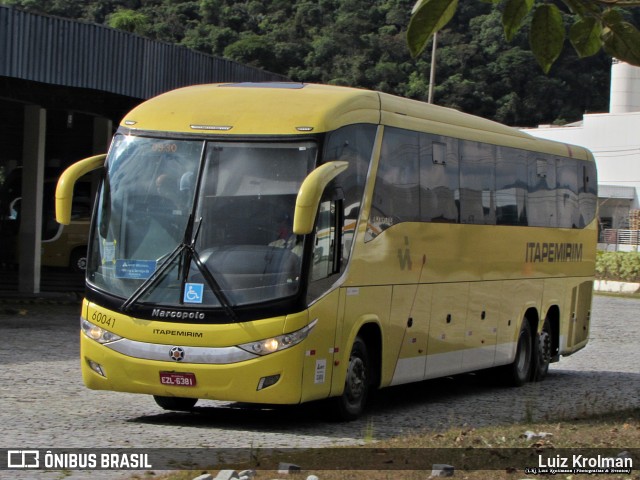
(432, 75)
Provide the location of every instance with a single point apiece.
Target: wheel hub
(544, 346)
(356, 379)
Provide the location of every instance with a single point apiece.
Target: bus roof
(283, 108)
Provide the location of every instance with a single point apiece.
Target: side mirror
(64, 189)
(309, 195)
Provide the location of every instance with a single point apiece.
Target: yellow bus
(62, 246)
(283, 243)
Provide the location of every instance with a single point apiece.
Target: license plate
(178, 379)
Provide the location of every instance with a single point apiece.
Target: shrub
(621, 266)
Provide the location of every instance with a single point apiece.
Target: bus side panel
(517, 297)
(482, 325)
(362, 305)
(447, 329)
(57, 251)
(555, 291)
(408, 332)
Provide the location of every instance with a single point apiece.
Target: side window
(327, 259)
(542, 207)
(432, 178)
(477, 183)
(511, 186)
(396, 191)
(324, 261)
(567, 193)
(588, 191)
(439, 177)
(354, 144)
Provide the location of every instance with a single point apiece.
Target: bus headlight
(97, 333)
(281, 342)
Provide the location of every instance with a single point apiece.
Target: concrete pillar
(35, 124)
(102, 133)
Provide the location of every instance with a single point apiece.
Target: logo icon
(23, 459)
(176, 354)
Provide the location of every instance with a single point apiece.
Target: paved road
(45, 405)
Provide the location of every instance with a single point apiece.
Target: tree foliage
(363, 43)
(129, 21)
(596, 24)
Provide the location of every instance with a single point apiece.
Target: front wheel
(175, 403)
(351, 403)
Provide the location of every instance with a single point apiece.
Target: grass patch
(619, 431)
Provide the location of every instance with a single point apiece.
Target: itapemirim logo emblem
(176, 354)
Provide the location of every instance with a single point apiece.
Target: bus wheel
(78, 260)
(351, 403)
(542, 353)
(519, 372)
(175, 403)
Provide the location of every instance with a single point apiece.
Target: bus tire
(350, 405)
(519, 372)
(542, 353)
(175, 403)
(78, 260)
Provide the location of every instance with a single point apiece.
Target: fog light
(268, 381)
(96, 367)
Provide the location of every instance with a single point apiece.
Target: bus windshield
(198, 223)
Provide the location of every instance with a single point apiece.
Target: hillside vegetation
(362, 43)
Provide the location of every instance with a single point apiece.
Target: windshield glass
(239, 244)
(245, 206)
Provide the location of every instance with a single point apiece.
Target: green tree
(595, 25)
(362, 43)
(129, 21)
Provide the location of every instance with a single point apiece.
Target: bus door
(324, 308)
(580, 314)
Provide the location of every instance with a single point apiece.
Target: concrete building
(614, 139)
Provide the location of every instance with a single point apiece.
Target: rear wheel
(351, 403)
(519, 372)
(542, 353)
(175, 403)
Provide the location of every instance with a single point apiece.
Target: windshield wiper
(153, 278)
(167, 261)
(192, 254)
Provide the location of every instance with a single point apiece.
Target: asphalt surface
(45, 405)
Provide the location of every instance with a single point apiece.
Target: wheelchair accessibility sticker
(193, 292)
